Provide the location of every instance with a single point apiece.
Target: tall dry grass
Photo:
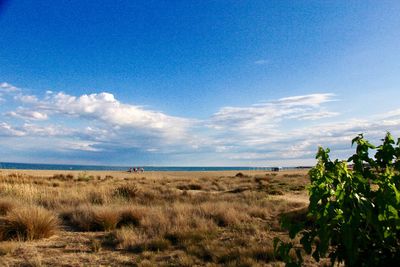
(28, 223)
(215, 220)
(6, 205)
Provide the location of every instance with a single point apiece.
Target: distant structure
(276, 169)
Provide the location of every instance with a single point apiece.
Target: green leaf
(355, 212)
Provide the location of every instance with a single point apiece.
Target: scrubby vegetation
(152, 219)
(353, 216)
(28, 223)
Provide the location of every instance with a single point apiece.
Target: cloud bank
(98, 128)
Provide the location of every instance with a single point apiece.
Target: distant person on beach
(141, 169)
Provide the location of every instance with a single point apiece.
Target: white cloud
(8, 88)
(48, 130)
(8, 130)
(100, 122)
(266, 116)
(30, 99)
(80, 146)
(260, 133)
(286, 129)
(104, 117)
(303, 142)
(27, 114)
(314, 115)
(306, 100)
(105, 108)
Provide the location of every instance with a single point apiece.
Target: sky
(195, 83)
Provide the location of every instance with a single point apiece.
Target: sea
(35, 166)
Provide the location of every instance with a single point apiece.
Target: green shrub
(355, 210)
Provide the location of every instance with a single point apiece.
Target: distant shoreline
(156, 175)
(71, 167)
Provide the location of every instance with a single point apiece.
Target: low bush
(87, 218)
(28, 223)
(106, 219)
(128, 239)
(355, 210)
(97, 198)
(128, 191)
(80, 218)
(131, 216)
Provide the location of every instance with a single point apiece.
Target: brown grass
(223, 214)
(127, 191)
(107, 218)
(63, 177)
(7, 247)
(155, 219)
(28, 224)
(80, 218)
(190, 187)
(6, 206)
(131, 216)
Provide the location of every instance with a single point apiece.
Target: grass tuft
(128, 191)
(107, 219)
(28, 223)
(96, 198)
(81, 218)
(6, 206)
(131, 216)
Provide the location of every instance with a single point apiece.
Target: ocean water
(29, 166)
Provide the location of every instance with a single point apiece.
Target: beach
(147, 174)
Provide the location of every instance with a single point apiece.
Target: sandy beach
(147, 174)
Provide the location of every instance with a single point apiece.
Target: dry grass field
(72, 218)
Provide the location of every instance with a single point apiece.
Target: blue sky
(195, 82)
